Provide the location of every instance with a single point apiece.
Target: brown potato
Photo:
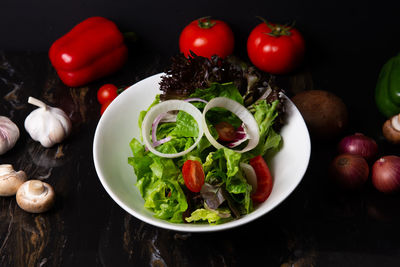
(325, 114)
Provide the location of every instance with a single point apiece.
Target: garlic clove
(391, 129)
(10, 180)
(9, 134)
(47, 125)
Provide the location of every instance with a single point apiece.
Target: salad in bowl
(206, 141)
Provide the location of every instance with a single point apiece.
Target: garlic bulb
(48, 125)
(9, 134)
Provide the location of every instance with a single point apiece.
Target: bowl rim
(182, 227)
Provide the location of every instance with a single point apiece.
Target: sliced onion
(250, 174)
(168, 117)
(159, 142)
(241, 136)
(162, 141)
(195, 99)
(154, 127)
(249, 123)
(164, 107)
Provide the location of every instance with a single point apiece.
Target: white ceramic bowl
(119, 124)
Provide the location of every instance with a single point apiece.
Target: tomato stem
(205, 22)
(278, 29)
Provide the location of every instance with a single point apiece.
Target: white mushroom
(9, 134)
(10, 180)
(48, 125)
(35, 196)
(391, 129)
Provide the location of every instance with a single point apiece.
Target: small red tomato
(275, 48)
(193, 175)
(104, 106)
(207, 37)
(264, 179)
(226, 132)
(106, 93)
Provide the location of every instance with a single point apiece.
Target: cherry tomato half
(207, 37)
(226, 132)
(264, 179)
(106, 93)
(275, 48)
(193, 175)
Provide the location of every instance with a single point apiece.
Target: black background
(347, 43)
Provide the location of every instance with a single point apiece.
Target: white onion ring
(195, 99)
(165, 107)
(250, 174)
(249, 123)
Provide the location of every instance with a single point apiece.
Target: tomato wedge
(193, 175)
(226, 131)
(264, 179)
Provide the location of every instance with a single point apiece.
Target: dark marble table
(317, 225)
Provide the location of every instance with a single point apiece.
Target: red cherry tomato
(226, 132)
(106, 93)
(207, 37)
(264, 179)
(193, 175)
(275, 48)
(104, 106)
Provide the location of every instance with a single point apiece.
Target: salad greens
(226, 194)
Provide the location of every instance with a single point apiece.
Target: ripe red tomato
(104, 106)
(275, 48)
(193, 175)
(264, 179)
(207, 37)
(106, 93)
(226, 132)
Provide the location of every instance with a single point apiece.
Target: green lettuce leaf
(223, 166)
(186, 126)
(159, 182)
(211, 216)
(228, 90)
(270, 141)
(166, 199)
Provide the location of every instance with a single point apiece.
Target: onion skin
(359, 144)
(386, 174)
(349, 171)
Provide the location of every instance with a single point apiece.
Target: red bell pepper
(91, 50)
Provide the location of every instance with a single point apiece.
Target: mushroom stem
(37, 102)
(36, 187)
(396, 122)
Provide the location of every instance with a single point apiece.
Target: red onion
(386, 174)
(349, 171)
(359, 144)
(240, 137)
